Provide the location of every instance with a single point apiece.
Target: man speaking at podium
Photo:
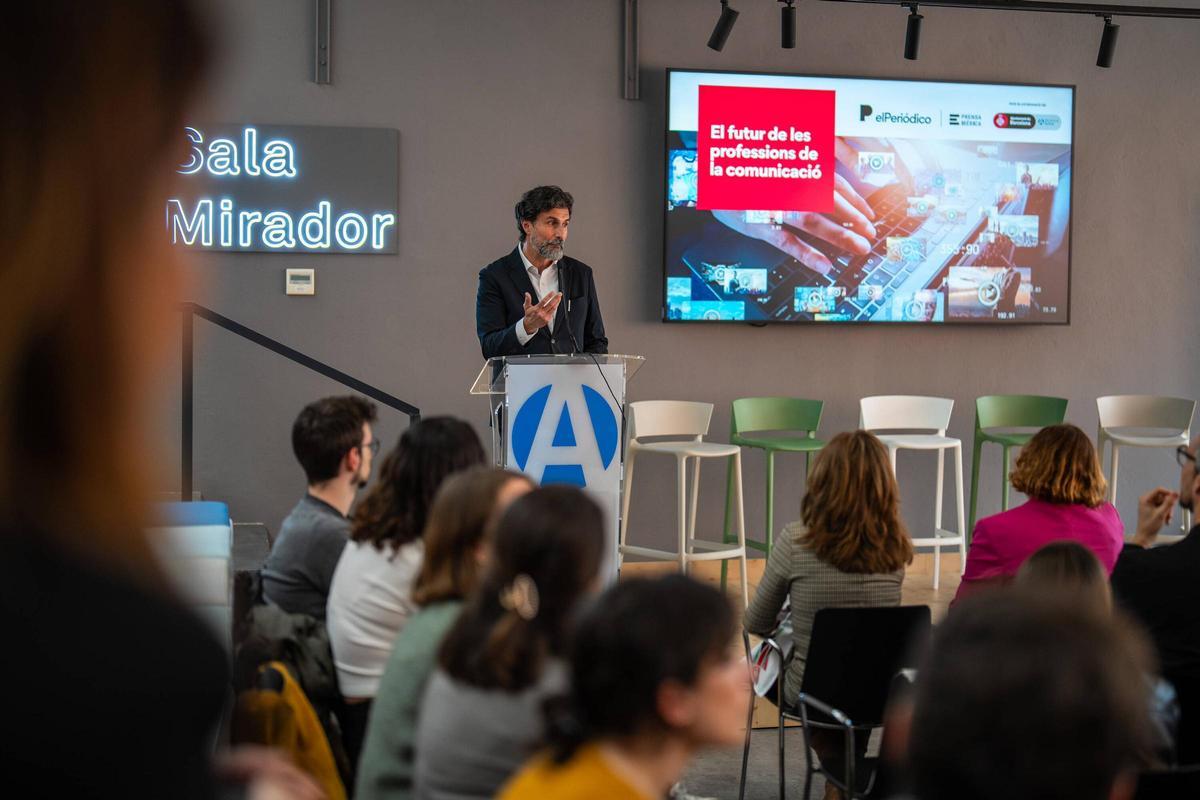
(535, 300)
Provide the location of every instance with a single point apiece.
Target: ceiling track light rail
(1090, 9)
(912, 33)
(1108, 36)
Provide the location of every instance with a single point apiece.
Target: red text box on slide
(765, 149)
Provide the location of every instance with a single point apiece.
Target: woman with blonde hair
(848, 549)
(1060, 473)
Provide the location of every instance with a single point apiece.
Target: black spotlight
(723, 27)
(788, 29)
(1108, 43)
(912, 37)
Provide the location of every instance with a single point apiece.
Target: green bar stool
(771, 424)
(1009, 411)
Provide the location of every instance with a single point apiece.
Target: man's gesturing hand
(1154, 512)
(539, 315)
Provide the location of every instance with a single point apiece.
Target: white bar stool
(678, 419)
(916, 413)
(1122, 414)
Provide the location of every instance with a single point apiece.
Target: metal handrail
(192, 310)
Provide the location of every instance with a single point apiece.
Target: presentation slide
(795, 198)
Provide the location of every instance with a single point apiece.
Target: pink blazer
(1002, 542)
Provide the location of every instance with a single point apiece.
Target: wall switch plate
(301, 281)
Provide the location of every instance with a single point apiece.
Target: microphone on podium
(562, 283)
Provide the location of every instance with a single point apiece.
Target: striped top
(812, 584)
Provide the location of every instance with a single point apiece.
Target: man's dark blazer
(500, 303)
(1160, 586)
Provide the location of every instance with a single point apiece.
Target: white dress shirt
(543, 283)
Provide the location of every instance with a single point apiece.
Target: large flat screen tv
(796, 198)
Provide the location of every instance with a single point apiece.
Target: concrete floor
(716, 774)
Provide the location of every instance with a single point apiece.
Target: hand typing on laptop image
(848, 228)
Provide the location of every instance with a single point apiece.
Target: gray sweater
(471, 741)
(794, 570)
(385, 769)
(299, 569)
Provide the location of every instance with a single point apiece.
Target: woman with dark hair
(1021, 696)
(114, 687)
(481, 714)
(370, 597)
(1067, 568)
(653, 680)
(456, 547)
(848, 549)
(1070, 573)
(1060, 472)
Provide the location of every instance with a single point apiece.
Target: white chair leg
(741, 522)
(695, 502)
(681, 502)
(1007, 469)
(892, 461)
(938, 496)
(1185, 518)
(962, 520)
(1112, 485)
(627, 487)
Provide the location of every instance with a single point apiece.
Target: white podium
(559, 419)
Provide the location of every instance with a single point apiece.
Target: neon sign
(254, 196)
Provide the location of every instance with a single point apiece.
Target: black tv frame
(764, 322)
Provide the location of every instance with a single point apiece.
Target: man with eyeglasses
(334, 443)
(1160, 586)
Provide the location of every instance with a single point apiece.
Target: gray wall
(493, 97)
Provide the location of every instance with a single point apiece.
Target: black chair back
(1169, 784)
(855, 652)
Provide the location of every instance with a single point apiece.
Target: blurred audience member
(848, 549)
(1069, 569)
(370, 598)
(653, 680)
(1031, 697)
(114, 687)
(334, 443)
(481, 716)
(1070, 572)
(455, 550)
(1060, 473)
